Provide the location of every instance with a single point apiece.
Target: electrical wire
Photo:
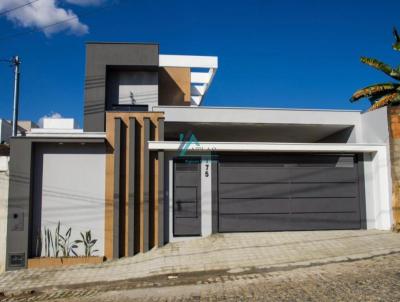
(57, 23)
(17, 7)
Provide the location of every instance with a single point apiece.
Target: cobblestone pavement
(218, 254)
(373, 279)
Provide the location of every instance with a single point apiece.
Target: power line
(17, 7)
(56, 23)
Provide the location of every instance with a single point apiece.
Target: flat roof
(259, 108)
(250, 115)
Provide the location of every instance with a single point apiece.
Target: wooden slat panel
(139, 185)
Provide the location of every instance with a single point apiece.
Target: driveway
(373, 279)
(222, 253)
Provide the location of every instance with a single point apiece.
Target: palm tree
(382, 94)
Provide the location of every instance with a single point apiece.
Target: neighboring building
(152, 165)
(6, 129)
(4, 180)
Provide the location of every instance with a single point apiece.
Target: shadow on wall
(93, 83)
(172, 81)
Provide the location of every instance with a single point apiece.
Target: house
(6, 129)
(152, 165)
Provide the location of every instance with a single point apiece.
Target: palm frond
(374, 90)
(385, 100)
(382, 67)
(396, 45)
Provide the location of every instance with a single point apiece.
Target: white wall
(377, 169)
(5, 131)
(374, 126)
(71, 188)
(133, 87)
(3, 209)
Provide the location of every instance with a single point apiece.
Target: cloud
(45, 12)
(51, 115)
(85, 2)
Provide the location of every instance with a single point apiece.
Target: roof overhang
(200, 78)
(69, 137)
(265, 147)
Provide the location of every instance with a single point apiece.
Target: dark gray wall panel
(252, 174)
(255, 190)
(132, 183)
(161, 172)
(315, 174)
(98, 57)
(289, 192)
(185, 209)
(18, 226)
(188, 194)
(19, 220)
(361, 190)
(254, 222)
(254, 205)
(117, 186)
(321, 205)
(214, 188)
(314, 190)
(325, 221)
(146, 186)
(187, 198)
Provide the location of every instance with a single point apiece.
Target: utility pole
(16, 63)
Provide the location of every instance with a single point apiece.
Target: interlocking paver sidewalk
(217, 252)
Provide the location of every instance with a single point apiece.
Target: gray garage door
(289, 192)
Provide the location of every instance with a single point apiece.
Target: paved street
(373, 279)
(350, 265)
(376, 279)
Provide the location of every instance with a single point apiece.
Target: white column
(377, 190)
(206, 197)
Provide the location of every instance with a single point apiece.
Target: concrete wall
(375, 130)
(374, 125)
(69, 186)
(260, 115)
(5, 131)
(3, 209)
(310, 120)
(99, 57)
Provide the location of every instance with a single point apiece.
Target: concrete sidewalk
(230, 252)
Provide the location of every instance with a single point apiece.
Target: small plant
(66, 247)
(56, 241)
(48, 242)
(39, 243)
(88, 242)
(57, 244)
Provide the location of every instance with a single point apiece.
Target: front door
(187, 195)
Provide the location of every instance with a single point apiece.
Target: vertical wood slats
(146, 187)
(116, 195)
(131, 188)
(160, 192)
(138, 209)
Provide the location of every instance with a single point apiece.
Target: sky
(280, 54)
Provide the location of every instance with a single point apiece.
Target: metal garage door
(289, 192)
